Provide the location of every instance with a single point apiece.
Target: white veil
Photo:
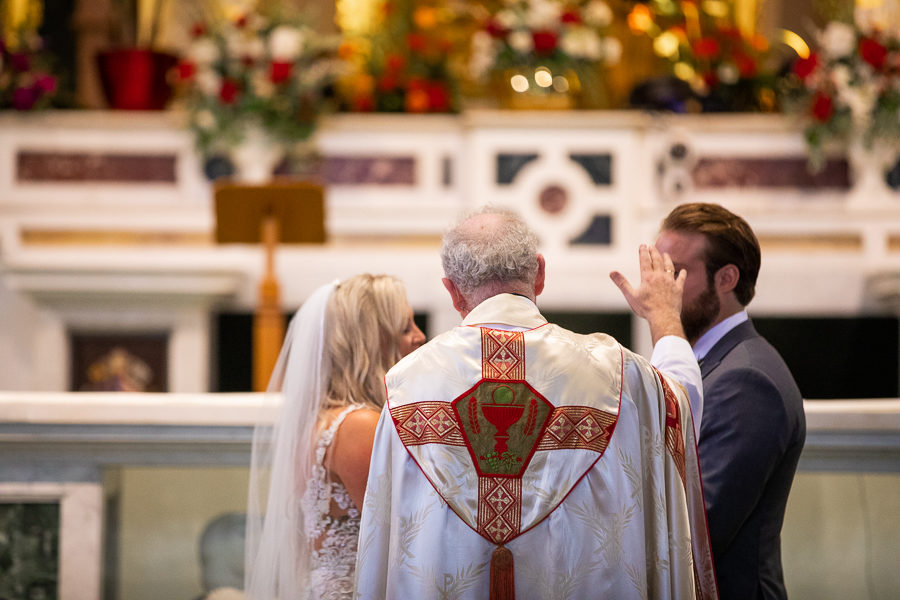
(277, 549)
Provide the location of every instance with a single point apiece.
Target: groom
(515, 458)
(753, 426)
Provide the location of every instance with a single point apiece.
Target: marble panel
(509, 165)
(597, 166)
(783, 172)
(87, 167)
(369, 170)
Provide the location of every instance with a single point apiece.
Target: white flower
(209, 82)
(598, 14)
(321, 71)
(242, 46)
(860, 100)
(253, 48)
(543, 15)
(482, 55)
(506, 19)
(520, 41)
(838, 39)
(285, 43)
(582, 42)
(204, 119)
(612, 50)
(728, 73)
(262, 84)
(841, 76)
(203, 51)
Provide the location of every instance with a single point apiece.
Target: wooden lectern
(288, 212)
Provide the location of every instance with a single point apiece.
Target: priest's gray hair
(501, 252)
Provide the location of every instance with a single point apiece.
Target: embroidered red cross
(502, 420)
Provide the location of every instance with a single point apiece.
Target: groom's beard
(699, 315)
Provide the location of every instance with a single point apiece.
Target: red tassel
(503, 581)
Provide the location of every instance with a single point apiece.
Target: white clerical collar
(717, 332)
(506, 309)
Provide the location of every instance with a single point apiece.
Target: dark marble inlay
(553, 199)
(892, 176)
(509, 165)
(29, 549)
(597, 166)
(50, 167)
(447, 171)
(784, 172)
(598, 232)
(369, 170)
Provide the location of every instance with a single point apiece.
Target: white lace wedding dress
(333, 525)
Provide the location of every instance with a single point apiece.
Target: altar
(106, 220)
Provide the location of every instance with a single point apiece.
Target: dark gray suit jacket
(751, 434)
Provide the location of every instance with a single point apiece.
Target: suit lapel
(743, 331)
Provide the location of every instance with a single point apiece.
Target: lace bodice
(332, 523)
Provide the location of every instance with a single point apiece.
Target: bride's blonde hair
(364, 319)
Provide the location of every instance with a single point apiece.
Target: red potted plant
(133, 72)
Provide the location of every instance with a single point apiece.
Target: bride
(308, 472)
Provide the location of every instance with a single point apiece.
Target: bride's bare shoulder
(352, 450)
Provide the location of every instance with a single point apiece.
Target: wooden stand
(278, 212)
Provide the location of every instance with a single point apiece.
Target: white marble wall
(822, 247)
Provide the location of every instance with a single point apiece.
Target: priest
(516, 459)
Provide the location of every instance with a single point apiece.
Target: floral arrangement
(255, 71)
(26, 81)
(848, 89)
(406, 66)
(703, 45)
(553, 39)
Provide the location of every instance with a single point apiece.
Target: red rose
(364, 103)
(198, 30)
(706, 47)
(494, 29)
(822, 107)
(731, 32)
(438, 96)
(280, 71)
(186, 70)
(241, 22)
(416, 83)
(745, 64)
(229, 91)
(24, 98)
(386, 83)
(571, 16)
(544, 41)
(45, 83)
(20, 62)
(395, 62)
(872, 52)
(416, 42)
(804, 67)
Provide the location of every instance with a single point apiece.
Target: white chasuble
(568, 450)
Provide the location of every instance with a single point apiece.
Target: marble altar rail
(113, 463)
(102, 429)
